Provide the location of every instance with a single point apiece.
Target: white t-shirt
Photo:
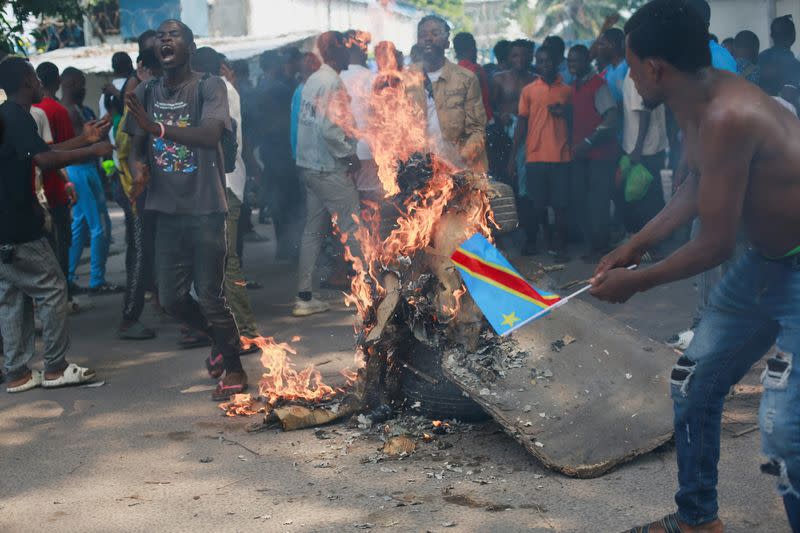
(358, 80)
(42, 124)
(435, 138)
(436, 141)
(101, 106)
(786, 104)
(633, 105)
(236, 179)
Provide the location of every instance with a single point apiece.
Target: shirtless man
(743, 150)
(507, 85)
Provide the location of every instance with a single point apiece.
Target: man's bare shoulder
(734, 94)
(736, 105)
(503, 75)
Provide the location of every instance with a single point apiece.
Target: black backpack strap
(200, 99)
(148, 93)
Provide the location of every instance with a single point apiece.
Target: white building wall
(276, 17)
(789, 7)
(729, 17)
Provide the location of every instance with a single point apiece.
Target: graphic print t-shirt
(184, 180)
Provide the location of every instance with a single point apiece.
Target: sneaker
(136, 332)
(105, 289)
(311, 307)
(682, 340)
(77, 305)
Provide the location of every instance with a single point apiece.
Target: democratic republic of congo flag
(506, 299)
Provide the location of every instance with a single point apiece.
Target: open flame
(281, 382)
(395, 133)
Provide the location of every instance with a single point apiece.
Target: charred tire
(439, 401)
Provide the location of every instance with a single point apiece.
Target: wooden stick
(553, 307)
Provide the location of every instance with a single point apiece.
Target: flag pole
(553, 307)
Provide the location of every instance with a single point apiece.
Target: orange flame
(280, 381)
(395, 131)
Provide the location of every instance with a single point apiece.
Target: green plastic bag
(636, 178)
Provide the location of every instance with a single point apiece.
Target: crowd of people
(190, 147)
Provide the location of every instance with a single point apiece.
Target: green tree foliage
(452, 10)
(14, 12)
(571, 19)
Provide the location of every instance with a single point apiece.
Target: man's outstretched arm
(728, 151)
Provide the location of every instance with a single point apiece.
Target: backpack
(230, 146)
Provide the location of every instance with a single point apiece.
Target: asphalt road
(149, 451)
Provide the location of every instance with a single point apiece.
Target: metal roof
(97, 59)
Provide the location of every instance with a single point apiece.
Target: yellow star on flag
(510, 319)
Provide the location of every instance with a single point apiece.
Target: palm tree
(571, 19)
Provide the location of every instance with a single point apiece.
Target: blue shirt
(721, 58)
(785, 59)
(615, 77)
(297, 97)
(563, 71)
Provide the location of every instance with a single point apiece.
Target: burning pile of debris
(409, 298)
(422, 345)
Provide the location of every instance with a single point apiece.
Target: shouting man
(744, 157)
(177, 123)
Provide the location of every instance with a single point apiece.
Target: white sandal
(73, 375)
(34, 381)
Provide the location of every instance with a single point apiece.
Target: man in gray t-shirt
(183, 179)
(176, 124)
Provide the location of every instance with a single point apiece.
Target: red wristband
(163, 129)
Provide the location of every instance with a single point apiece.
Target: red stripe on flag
(514, 283)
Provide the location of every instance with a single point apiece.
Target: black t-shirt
(21, 216)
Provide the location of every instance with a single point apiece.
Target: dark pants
(591, 193)
(638, 214)
(281, 192)
(149, 246)
(245, 226)
(190, 249)
(60, 238)
(549, 186)
(135, 260)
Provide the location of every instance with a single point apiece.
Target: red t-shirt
(61, 127)
(484, 81)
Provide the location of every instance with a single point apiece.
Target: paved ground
(133, 455)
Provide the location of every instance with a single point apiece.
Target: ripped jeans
(756, 305)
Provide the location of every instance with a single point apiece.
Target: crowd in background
(200, 146)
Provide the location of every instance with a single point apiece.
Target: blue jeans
(91, 211)
(756, 305)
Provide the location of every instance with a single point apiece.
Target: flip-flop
(669, 523)
(249, 351)
(224, 392)
(253, 285)
(190, 341)
(73, 375)
(34, 381)
(214, 365)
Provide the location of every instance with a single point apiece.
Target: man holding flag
(745, 158)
